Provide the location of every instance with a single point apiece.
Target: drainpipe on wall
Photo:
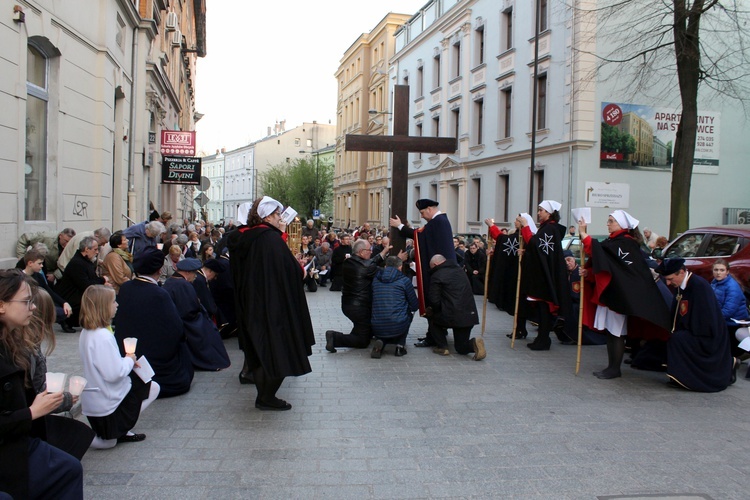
(131, 126)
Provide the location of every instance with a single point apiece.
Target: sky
(275, 60)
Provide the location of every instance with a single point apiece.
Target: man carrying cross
(434, 238)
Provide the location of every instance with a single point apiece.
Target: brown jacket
(116, 269)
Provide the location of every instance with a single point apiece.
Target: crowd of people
(180, 290)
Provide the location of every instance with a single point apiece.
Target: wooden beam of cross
(400, 144)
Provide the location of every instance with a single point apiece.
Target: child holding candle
(29, 467)
(114, 408)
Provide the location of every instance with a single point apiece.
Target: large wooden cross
(400, 144)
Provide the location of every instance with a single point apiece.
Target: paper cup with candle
(130, 343)
(76, 385)
(55, 382)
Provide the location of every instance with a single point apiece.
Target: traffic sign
(316, 213)
(205, 183)
(202, 199)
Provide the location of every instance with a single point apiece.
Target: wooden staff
(518, 290)
(580, 312)
(491, 245)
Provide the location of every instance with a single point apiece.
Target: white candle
(55, 382)
(76, 385)
(129, 343)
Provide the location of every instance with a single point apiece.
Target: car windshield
(686, 246)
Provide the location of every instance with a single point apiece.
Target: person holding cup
(114, 408)
(29, 466)
(67, 434)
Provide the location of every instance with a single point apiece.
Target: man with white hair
(101, 236)
(144, 235)
(356, 297)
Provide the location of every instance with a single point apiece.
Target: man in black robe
(698, 351)
(342, 252)
(274, 320)
(207, 350)
(434, 238)
(146, 311)
(80, 273)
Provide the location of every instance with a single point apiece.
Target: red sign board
(177, 143)
(612, 114)
(611, 156)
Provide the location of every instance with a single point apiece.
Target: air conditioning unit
(172, 21)
(176, 39)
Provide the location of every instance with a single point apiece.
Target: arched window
(35, 168)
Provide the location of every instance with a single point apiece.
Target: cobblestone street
(519, 424)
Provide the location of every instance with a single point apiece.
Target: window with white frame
(478, 121)
(35, 168)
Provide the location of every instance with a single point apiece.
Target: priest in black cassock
(146, 312)
(206, 347)
(272, 312)
(698, 351)
(434, 238)
(544, 278)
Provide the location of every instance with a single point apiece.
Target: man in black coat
(340, 254)
(146, 311)
(79, 274)
(356, 298)
(451, 305)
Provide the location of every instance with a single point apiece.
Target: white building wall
(568, 149)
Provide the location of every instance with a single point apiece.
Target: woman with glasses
(29, 467)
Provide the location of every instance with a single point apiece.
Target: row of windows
(505, 114)
(474, 212)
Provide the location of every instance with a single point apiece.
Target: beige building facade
(86, 89)
(361, 179)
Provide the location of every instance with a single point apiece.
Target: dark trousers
(397, 340)
(53, 473)
(461, 338)
(361, 333)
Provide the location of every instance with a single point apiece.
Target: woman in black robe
(620, 294)
(544, 279)
(272, 312)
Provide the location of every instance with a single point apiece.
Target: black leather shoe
(275, 405)
(520, 334)
(400, 351)
(246, 378)
(67, 328)
(539, 345)
(424, 343)
(131, 438)
(329, 341)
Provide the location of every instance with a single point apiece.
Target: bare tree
(654, 48)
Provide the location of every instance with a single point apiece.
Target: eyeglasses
(29, 303)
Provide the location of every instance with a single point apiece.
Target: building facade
(244, 165)
(361, 179)
(85, 100)
(470, 65)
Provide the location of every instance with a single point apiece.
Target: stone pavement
(519, 424)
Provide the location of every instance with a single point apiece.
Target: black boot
(542, 342)
(615, 353)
